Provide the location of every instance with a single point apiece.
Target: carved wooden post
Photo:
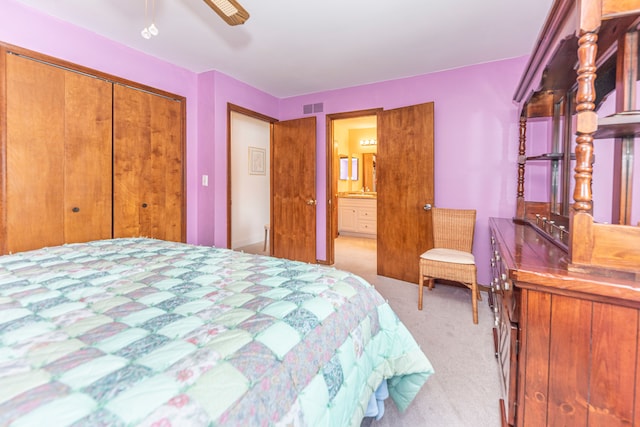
(587, 121)
(520, 211)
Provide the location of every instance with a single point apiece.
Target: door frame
(331, 188)
(250, 113)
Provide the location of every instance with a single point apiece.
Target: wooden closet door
(148, 168)
(58, 156)
(88, 158)
(35, 152)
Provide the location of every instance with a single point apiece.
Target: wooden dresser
(566, 287)
(567, 343)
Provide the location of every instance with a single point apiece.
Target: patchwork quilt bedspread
(153, 333)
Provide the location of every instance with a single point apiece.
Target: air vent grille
(313, 108)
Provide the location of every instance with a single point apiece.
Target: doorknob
(427, 207)
(311, 202)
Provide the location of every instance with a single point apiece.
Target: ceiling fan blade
(229, 10)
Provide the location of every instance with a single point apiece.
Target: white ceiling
(294, 47)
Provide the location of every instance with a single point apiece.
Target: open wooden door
(405, 186)
(293, 187)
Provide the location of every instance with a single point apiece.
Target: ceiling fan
(229, 10)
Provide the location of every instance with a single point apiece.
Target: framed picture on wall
(257, 161)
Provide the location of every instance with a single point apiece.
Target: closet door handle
(144, 205)
(75, 209)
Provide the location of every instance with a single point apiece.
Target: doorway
(276, 206)
(249, 186)
(403, 189)
(352, 180)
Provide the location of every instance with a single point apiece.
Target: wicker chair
(451, 257)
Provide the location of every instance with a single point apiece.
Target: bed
(154, 333)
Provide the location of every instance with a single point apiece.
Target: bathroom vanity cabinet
(357, 216)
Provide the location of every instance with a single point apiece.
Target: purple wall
(475, 121)
(228, 90)
(476, 124)
(24, 27)
(207, 95)
(476, 138)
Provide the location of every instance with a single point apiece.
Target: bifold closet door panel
(88, 158)
(58, 155)
(167, 161)
(130, 150)
(35, 153)
(148, 192)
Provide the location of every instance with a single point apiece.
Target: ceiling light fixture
(368, 142)
(150, 30)
(229, 10)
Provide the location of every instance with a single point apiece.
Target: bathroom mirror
(369, 171)
(344, 168)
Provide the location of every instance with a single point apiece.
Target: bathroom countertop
(359, 195)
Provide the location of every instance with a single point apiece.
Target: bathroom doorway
(353, 182)
(404, 186)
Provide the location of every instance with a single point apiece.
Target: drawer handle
(144, 205)
(75, 209)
